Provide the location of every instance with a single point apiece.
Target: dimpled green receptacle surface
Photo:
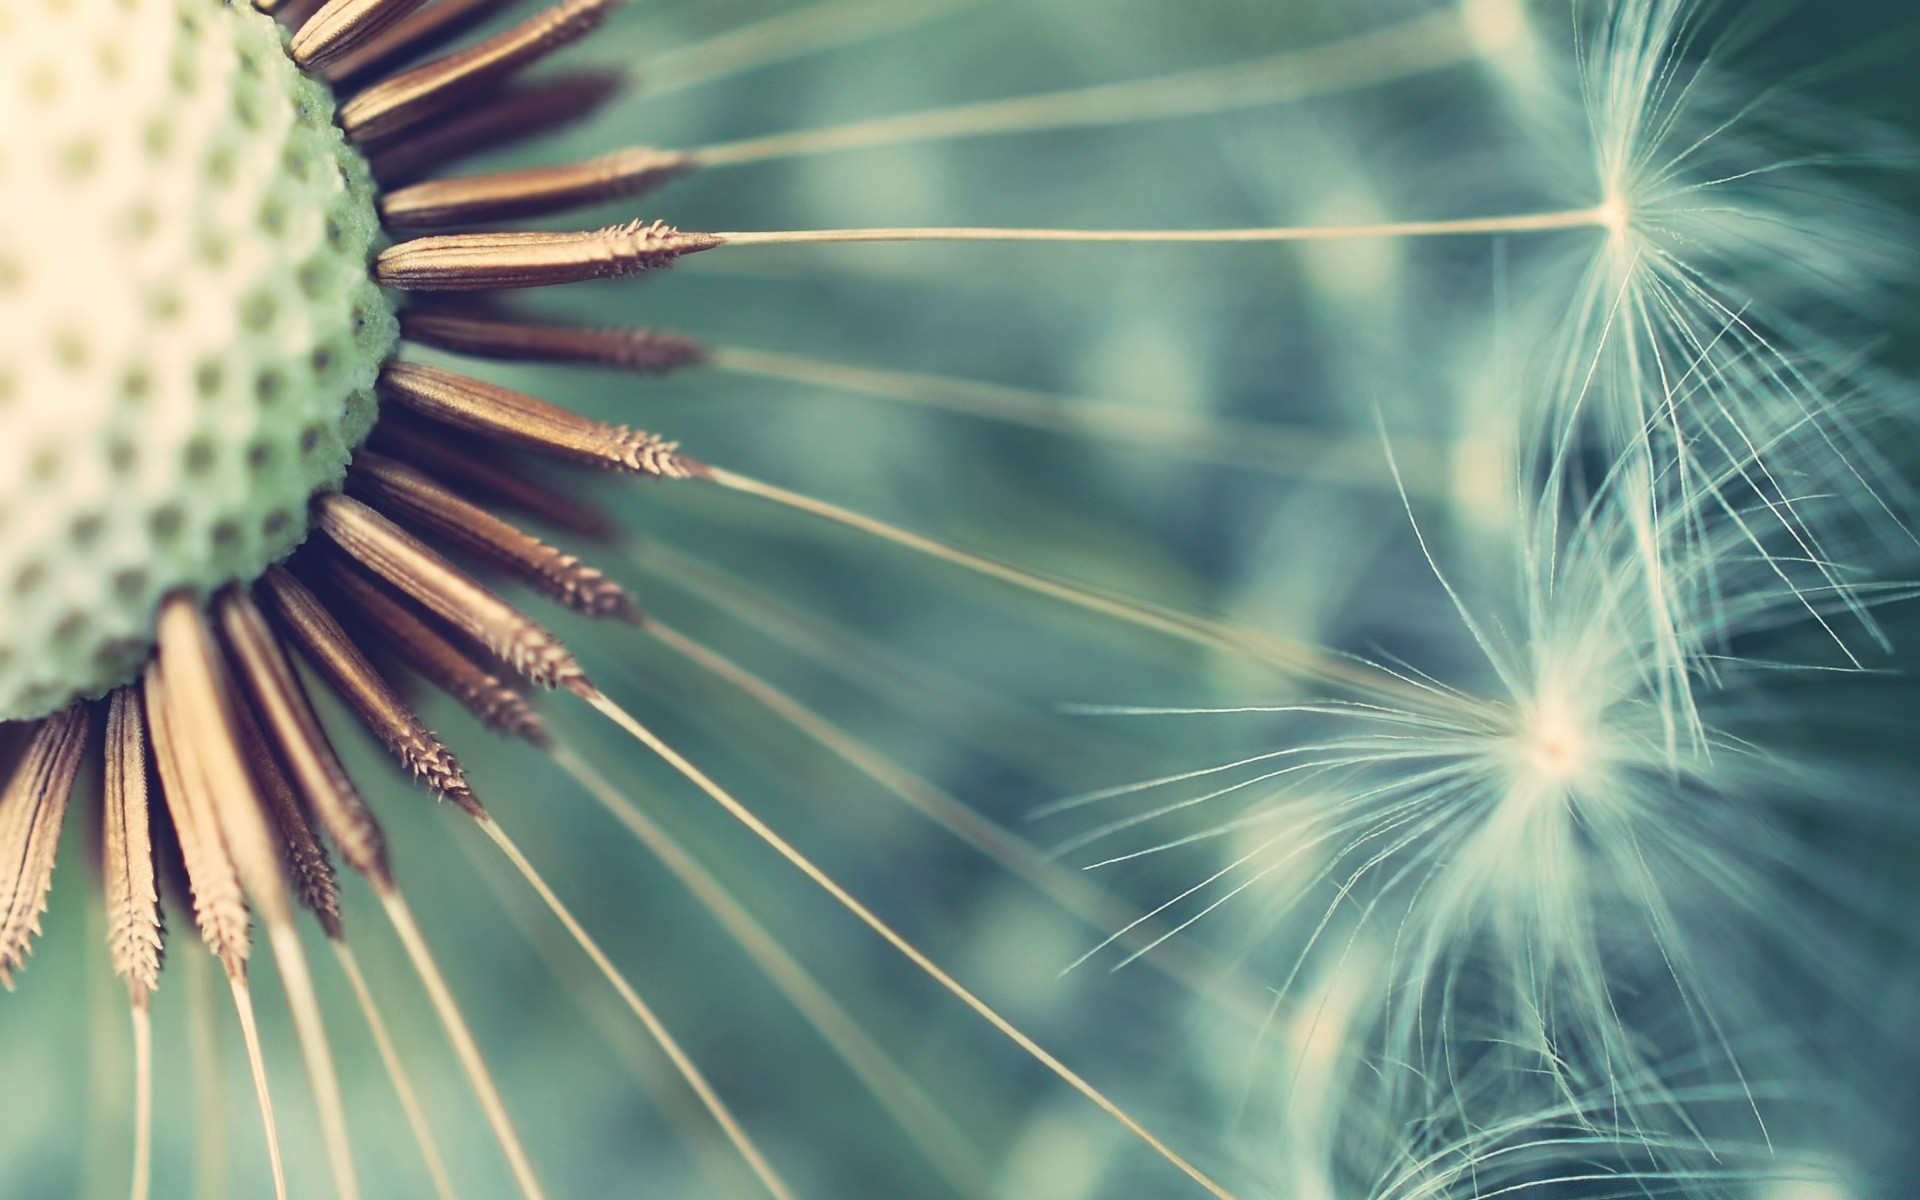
(188, 338)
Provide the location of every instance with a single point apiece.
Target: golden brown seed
(200, 706)
(294, 732)
(308, 868)
(456, 459)
(331, 650)
(134, 931)
(492, 122)
(405, 100)
(428, 651)
(295, 13)
(529, 423)
(470, 262)
(412, 34)
(340, 26)
(532, 190)
(443, 589)
(196, 688)
(418, 502)
(484, 335)
(32, 810)
(219, 903)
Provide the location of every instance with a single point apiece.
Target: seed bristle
(445, 590)
(468, 262)
(340, 26)
(403, 101)
(332, 651)
(531, 191)
(413, 33)
(479, 333)
(466, 1049)
(493, 122)
(528, 423)
(417, 501)
(219, 904)
(906, 1100)
(476, 469)
(135, 933)
(203, 724)
(301, 741)
(1304, 659)
(683, 1063)
(498, 705)
(142, 1099)
(1433, 40)
(308, 868)
(32, 811)
(912, 953)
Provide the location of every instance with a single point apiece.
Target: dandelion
(270, 441)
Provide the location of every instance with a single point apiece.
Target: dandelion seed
(405, 101)
(494, 120)
(35, 808)
(133, 902)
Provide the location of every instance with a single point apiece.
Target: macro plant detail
(1528, 895)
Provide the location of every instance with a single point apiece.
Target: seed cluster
(189, 336)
